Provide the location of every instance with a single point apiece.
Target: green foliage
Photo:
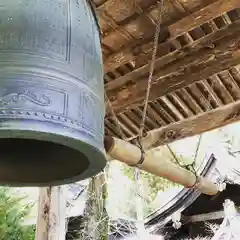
(12, 215)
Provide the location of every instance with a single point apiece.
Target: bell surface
(51, 93)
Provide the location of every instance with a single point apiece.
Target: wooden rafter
(163, 61)
(177, 29)
(192, 68)
(192, 82)
(132, 8)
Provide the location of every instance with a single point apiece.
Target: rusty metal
(51, 95)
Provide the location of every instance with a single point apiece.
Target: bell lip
(70, 138)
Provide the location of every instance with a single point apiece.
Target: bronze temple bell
(51, 93)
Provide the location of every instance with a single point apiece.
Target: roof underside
(197, 71)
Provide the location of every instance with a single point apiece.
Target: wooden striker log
(153, 163)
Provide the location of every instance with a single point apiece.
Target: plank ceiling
(196, 84)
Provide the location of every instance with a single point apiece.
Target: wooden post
(130, 154)
(43, 213)
(51, 222)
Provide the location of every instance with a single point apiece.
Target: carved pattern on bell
(43, 102)
(54, 118)
(90, 119)
(38, 99)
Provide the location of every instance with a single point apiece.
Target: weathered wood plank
(186, 24)
(188, 112)
(192, 126)
(57, 214)
(110, 11)
(206, 14)
(199, 96)
(226, 95)
(51, 214)
(213, 95)
(204, 217)
(173, 108)
(179, 74)
(123, 10)
(43, 214)
(178, 54)
(185, 94)
(178, 5)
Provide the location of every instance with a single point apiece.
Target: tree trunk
(95, 219)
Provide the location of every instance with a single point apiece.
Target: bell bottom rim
(52, 132)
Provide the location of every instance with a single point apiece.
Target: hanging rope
(115, 118)
(152, 66)
(151, 71)
(191, 166)
(142, 124)
(139, 206)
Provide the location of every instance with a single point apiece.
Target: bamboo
(130, 154)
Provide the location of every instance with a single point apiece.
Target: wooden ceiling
(196, 83)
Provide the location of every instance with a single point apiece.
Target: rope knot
(142, 157)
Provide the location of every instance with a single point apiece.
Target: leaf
(12, 215)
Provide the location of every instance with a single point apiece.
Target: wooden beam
(130, 154)
(204, 217)
(51, 223)
(43, 213)
(178, 5)
(204, 15)
(179, 74)
(178, 54)
(192, 126)
(114, 7)
(188, 23)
